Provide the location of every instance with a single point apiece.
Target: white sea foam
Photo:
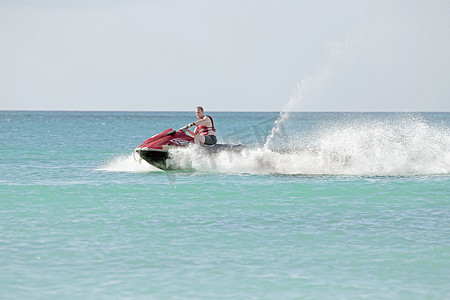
(128, 163)
(407, 147)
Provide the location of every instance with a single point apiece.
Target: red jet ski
(156, 150)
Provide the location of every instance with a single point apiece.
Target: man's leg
(199, 139)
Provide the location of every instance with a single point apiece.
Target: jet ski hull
(155, 150)
(161, 158)
(157, 158)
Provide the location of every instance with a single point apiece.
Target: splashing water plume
(369, 38)
(373, 147)
(305, 89)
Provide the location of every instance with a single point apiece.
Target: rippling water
(337, 205)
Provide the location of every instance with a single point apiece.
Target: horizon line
(228, 111)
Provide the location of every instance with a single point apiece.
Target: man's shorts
(210, 139)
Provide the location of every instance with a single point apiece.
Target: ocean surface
(320, 206)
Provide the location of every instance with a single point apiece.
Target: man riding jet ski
(155, 150)
(205, 132)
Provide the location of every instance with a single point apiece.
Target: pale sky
(234, 55)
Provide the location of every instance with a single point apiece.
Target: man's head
(199, 112)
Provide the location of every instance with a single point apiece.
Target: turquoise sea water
(332, 206)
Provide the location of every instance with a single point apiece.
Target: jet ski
(156, 150)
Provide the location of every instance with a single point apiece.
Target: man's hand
(185, 128)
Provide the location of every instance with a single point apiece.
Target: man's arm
(190, 133)
(204, 120)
